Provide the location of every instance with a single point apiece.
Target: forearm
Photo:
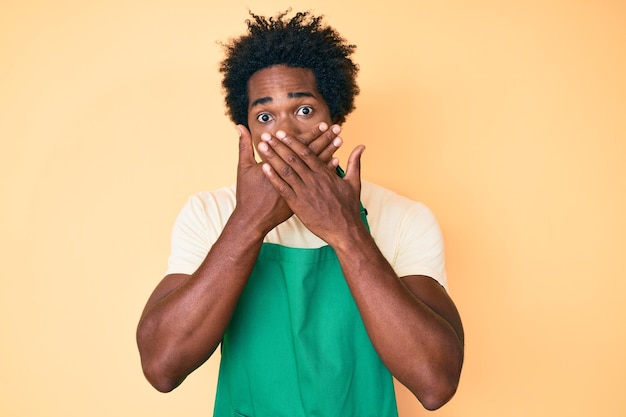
(182, 328)
(420, 348)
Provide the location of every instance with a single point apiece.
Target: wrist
(352, 237)
(247, 227)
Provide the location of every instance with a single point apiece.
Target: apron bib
(297, 346)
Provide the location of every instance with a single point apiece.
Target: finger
(313, 133)
(299, 156)
(333, 164)
(327, 153)
(353, 170)
(285, 162)
(246, 149)
(280, 185)
(321, 145)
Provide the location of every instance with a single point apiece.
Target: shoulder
(222, 198)
(197, 227)
(216, 204)
(406, 232)
(386, 205)
(207, 211)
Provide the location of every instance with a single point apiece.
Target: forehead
(280, 80)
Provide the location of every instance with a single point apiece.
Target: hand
(323, 142)
(256, 198)
(327, 204)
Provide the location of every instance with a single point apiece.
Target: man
(318, 286)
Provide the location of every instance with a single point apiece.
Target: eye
(304, 111)
(264, 117)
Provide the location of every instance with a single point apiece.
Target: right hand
(256, 198)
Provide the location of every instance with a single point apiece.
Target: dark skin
(411, 321)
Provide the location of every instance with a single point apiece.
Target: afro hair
(301, 41)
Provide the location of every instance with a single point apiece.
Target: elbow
(439, 385)
(437, 396)
(154, 362)
(158, 378)
(163, 388)
(158, 373)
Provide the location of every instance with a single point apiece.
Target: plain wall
(506, 118)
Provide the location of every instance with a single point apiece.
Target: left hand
(325, 203)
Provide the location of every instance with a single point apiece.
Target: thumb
(246, 150)
(353, 169)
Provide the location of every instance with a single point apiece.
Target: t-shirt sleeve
(421, 249)
(191, 238)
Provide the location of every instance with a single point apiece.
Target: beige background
(506, 118)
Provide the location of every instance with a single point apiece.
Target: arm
(186, 316)
(412, 323)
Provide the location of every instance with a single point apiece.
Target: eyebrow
(298, 94)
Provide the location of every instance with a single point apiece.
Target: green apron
(296, 345)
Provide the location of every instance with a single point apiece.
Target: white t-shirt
(405, 231)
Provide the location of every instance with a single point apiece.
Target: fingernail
(323, 127)
(280, 134)
(266, 136)
(336, 129)
(263, 147)
(337, 142)
(238, 131)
